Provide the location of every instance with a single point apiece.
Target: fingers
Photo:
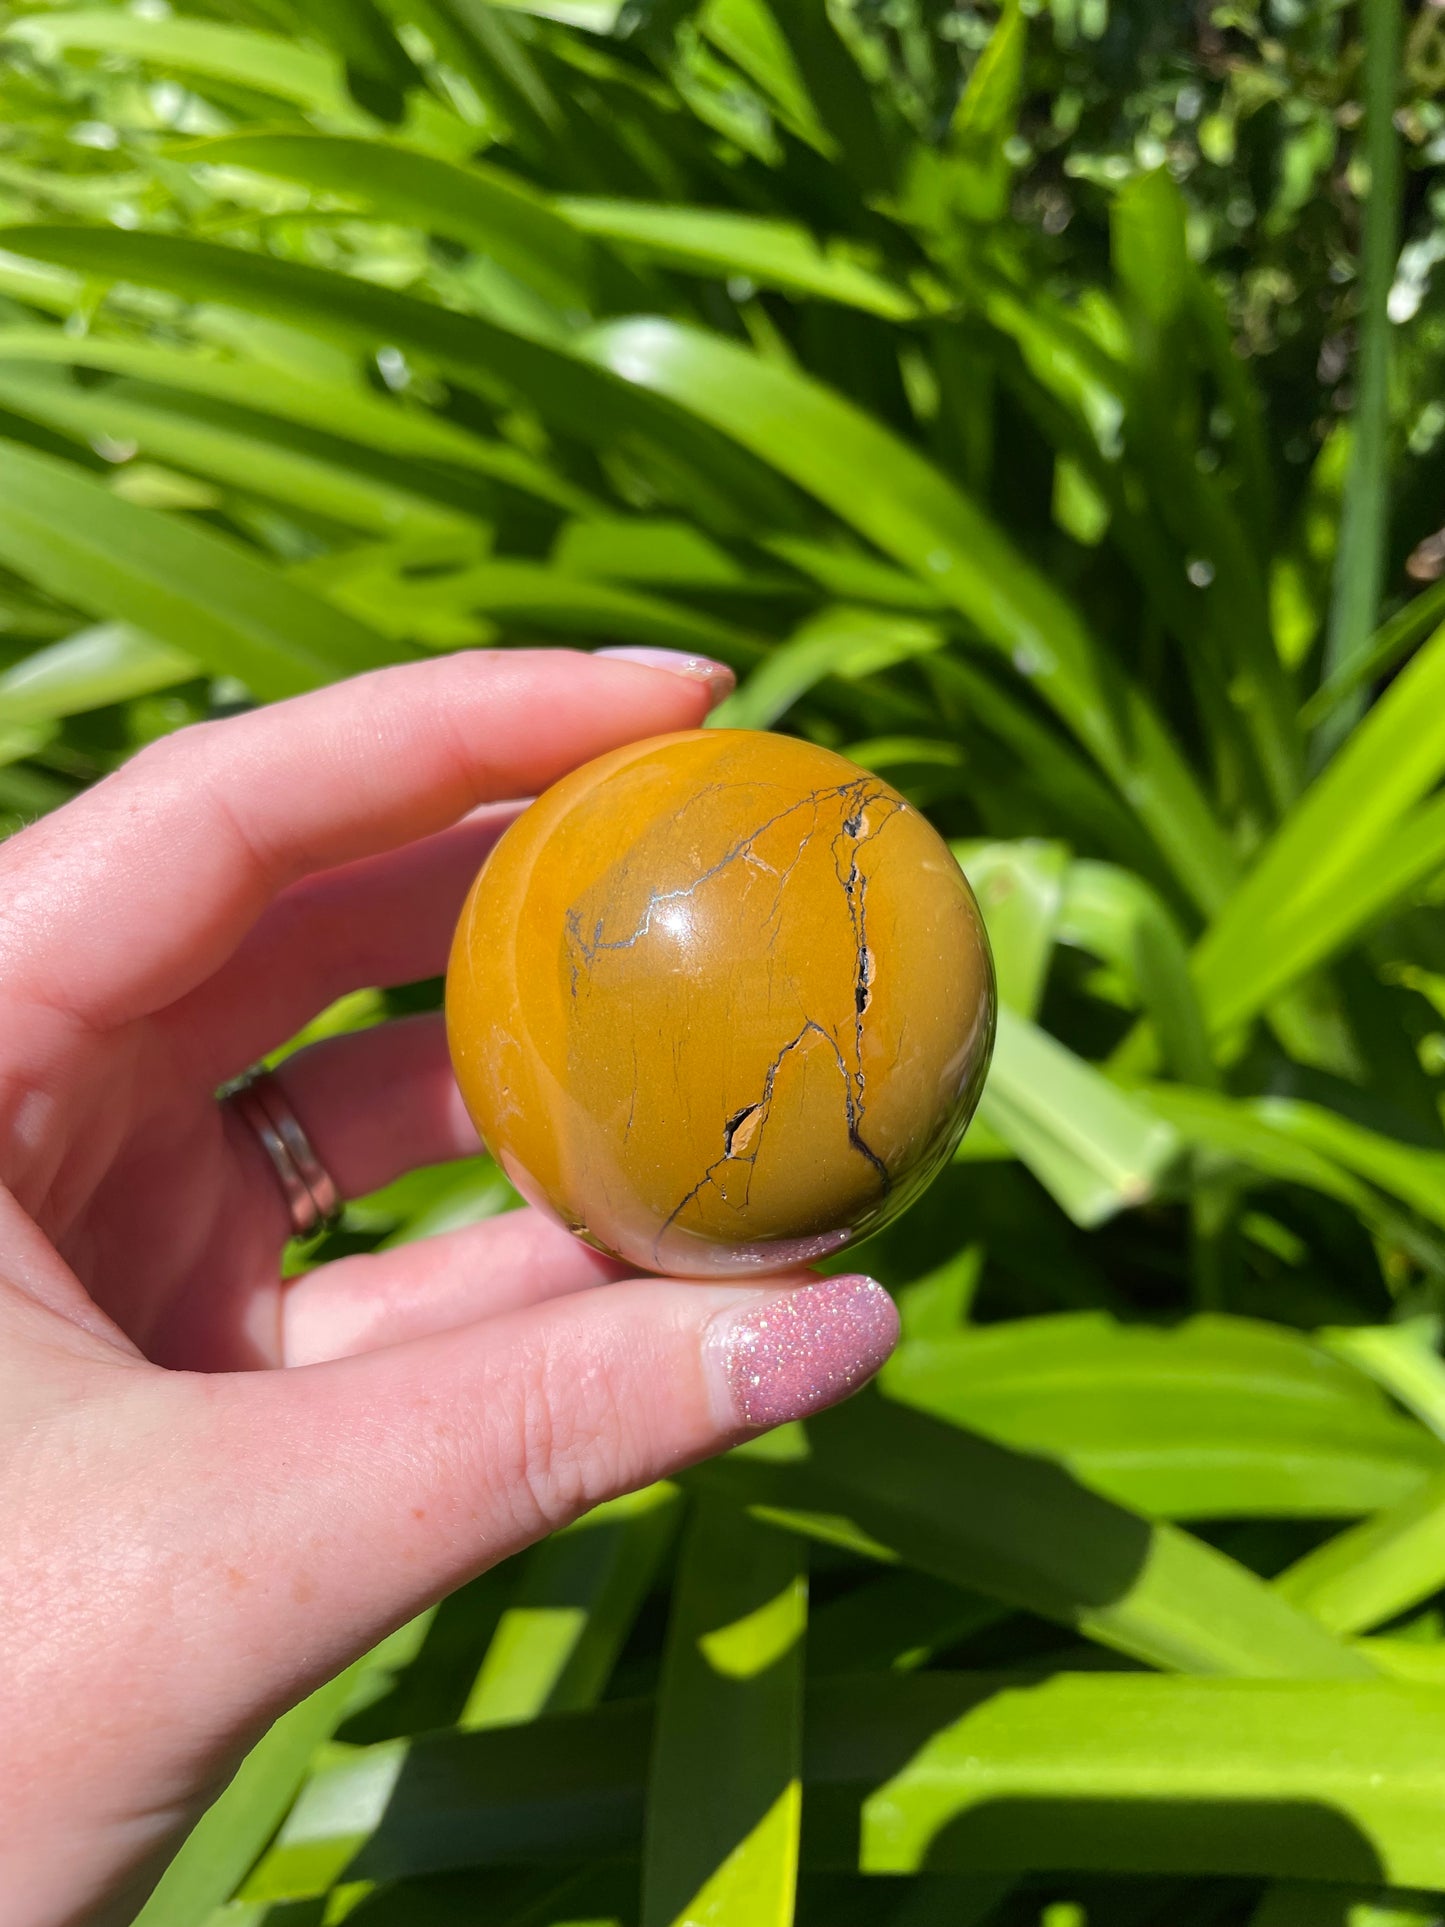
(437, 1284)
(373, 1104)
(174, 857)
(363, 1489)
(383, 921)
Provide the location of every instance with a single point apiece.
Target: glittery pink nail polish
(796, 1352)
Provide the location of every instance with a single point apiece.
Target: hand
(191, 1544)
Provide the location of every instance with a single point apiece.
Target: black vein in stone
(855, 891)
(593, 946)
(763, 1104)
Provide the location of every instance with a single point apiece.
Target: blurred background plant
(1042, 404)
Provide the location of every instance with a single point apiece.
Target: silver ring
(308, 1187)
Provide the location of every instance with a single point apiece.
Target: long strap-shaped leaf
(1090, 1144)
(578, 398)
(1216, 1418)
(725, 1794)
(486, 209)
(1020, 1529)
(912, 512)
(1376, 1570)
(580, 1591)
(349, 411)
(185, 585)
(965, 1772)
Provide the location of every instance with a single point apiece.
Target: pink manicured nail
(719, 678)
(796, 1352)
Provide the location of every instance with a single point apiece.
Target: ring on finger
(310, 1191)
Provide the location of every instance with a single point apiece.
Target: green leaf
(837, 641)
(1119, 1773)
(1388, 647)
(1020, 887)
(490, 211)
(314, 473)
(234, 1828)
(187, 586)
(898, 501)
(1404, 1358)
(1023, 1531)
(1306, 1144)
(1377, 1570)
(556, 1644)
(577, 397)
(1115, 916)
(1312, 1903)
(714, 241)
(1199, 1776)
(1215, 1418)
(720, 1845)
(206, 50)
(350, 411)
(110, 663)
(1317, 881)
(264, 62)
(545, 600)
(979, 171)
(937, 1304)
(1091, 1145)
(898, 1620)
(1364, 519)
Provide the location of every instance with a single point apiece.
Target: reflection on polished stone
(721, 1002)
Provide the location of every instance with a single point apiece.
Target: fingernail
(791, 1353)
(719, 678)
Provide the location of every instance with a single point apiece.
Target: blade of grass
(1389, 646)
(837, 641)
(1404, 1358)
(235, 1828)
(265, 63)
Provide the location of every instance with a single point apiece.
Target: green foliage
(977, 381)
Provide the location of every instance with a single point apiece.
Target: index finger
(130, 896)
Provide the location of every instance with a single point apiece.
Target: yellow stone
(721, 1002)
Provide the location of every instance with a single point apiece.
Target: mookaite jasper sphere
(721, 1002)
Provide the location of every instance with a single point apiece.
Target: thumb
(377, 1483)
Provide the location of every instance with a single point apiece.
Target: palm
(174, 1214)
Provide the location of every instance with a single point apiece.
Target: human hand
(191, 1543)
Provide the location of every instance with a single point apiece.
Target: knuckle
(569, 1440)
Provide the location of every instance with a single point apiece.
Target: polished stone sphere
(721, 1002)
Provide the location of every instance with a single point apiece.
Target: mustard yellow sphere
(721, 1002)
